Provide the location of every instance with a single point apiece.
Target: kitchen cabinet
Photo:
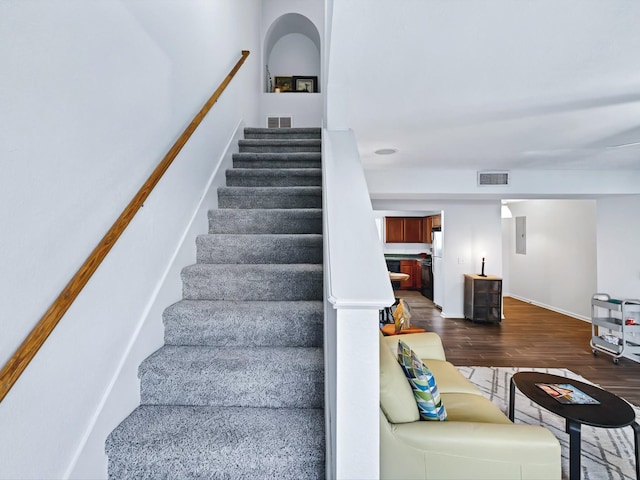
(417, 275)
(427, 228)
(407, 266)
(413, 268)
(483, 298)
(394, 229)
(428, 223)
(413, 229)
(403, 229)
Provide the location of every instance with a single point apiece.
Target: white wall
(312, 9)
(405, 182)
(94, 94)
(294, 54)
(618, 263)
(559, 268)
(471, 229)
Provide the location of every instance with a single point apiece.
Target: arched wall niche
(292, 47)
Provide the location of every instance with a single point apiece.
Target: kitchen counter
(398, 277)
(404, 256)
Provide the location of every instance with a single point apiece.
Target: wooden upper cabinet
(413, 230)
(394, 229)
(428, 224)
(404, 230)
(427, 228)
(410, 229)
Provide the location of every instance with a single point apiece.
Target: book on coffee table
(567, 394)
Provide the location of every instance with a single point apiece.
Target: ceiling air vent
(493, 178)
(279, 122)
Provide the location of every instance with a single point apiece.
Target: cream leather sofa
(477, 441)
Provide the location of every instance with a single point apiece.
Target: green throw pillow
(423, 384)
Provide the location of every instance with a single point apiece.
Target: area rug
(607, 453)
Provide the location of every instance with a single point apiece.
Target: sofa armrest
(465, 449)
(508, 442)
(425, 345)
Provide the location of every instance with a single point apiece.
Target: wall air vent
(493, 178)
(279, 122)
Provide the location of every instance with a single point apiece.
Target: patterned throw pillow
(423, 384)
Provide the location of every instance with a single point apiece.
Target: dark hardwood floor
(529, 336)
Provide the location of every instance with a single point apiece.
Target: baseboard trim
(549, 307)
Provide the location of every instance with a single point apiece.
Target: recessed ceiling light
(386, 151)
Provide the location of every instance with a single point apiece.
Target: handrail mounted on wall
(36, 338)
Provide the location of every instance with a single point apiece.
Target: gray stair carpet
(260, 145)
(259, 248)
(237, 391)
(270, 197)
(269, 177)
(277, 160)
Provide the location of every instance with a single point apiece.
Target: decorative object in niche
(269, 80)
(284, 84)
(305, 84)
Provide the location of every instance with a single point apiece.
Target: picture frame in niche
(283, 84)
(306, 84)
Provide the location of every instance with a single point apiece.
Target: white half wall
(304, 108)
(618, 237)
(558, 270)
(94, 94)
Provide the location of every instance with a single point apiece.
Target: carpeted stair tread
(262, 145)
(258, 323)
(237, 391)
(252, 282)
(259, 249)
(255, 133)
(270, 197)
(277, 160)
(261, 221)
(257, 377)
(178, 442)
(273, 177)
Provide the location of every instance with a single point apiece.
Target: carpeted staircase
(237, 391)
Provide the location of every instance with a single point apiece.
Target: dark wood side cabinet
(483, 298)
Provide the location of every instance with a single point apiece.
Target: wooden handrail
(36, 338)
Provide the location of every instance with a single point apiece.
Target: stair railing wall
(39, 334)
(356, 286)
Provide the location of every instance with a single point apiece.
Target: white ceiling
(489, 84)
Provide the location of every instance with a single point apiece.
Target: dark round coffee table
(612, 412)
